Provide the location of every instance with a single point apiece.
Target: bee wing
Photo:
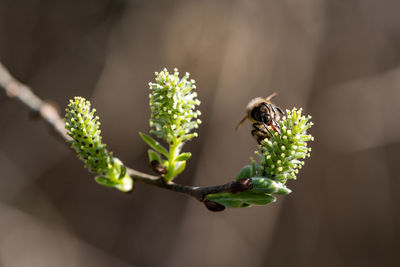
(271, 96)
(240, 123)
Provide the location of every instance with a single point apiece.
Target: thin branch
(47, 111)
(197, 192)
(43, 109)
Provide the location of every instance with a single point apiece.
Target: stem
(197, 192)
(46, 111)
(24, 94)
(174, 150)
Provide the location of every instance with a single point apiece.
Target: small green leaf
(269, 186)
(178, 168)
(245, 172)
(241, 200)
(254, 167)
(245, 205)
(183, 156)
(226, 200)
(283, 190)
(125, 184)
(123, 172)
(154, 144)
(104, 181)
(263, 185)
(153, 155)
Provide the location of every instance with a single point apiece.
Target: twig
(197, 192)
(47, 111)
(43, 109)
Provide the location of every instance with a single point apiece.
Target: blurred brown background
(339, 60)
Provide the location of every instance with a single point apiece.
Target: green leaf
(154, 144)
(241, 200)
(123, 172)
(245, 172)
(104, 181)
(153, 155)
(126, 184)
(254, 167)
(269, 186)
(174, 170)
(184, 156)
(283, 190)
(179, 167)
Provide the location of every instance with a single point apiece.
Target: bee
(261, 112)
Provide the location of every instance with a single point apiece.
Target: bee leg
(275, 110)
(277, 128)
(257, 125)
(259, 135)
(280, 111)
(260, 131)
(268, 107)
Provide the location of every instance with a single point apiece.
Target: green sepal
(245, 172)
(241, 200)
(104, 181)
(269, 186)
(254, 168)
(179, 167)
(116, 177)
(125, 184)
(154, 144)
(183, 156)
(173, 172)
(115, 169)
(153, 155)
(122, 173)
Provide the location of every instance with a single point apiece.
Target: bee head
(261, 113)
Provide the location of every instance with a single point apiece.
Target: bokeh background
(339, 60)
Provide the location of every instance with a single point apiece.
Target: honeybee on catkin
(264, 116)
